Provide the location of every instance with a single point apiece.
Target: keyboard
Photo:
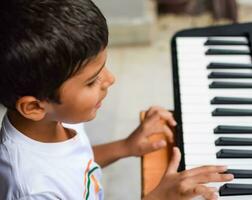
(212, 78)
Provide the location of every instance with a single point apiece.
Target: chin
(91, 117)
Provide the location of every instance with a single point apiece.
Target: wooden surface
(153, 165)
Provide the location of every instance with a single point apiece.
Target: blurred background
(139, 56)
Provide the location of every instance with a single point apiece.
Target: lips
(98, 105)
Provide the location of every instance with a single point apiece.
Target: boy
(52, 71)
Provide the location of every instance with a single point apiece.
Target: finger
(175, 160)
(159, 144)
(154, 146)
(152, 118)
(164, 114)
(169, 134)
(153, 109)
(207, 193)
(168, 117)
(163, 129)
(156, 128)
(211, 177)
(204, 170)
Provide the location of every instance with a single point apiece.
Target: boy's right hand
(189, 183)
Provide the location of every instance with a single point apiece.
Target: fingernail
(228, 176)
(174, 123)
(223, 168)
(162, 143)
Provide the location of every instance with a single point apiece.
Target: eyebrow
(96, 74)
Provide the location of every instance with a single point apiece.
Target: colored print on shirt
(90, 180)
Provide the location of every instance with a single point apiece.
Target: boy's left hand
(157, 120)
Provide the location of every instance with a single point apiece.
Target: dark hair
(43, 43)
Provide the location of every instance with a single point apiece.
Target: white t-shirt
(32, 170)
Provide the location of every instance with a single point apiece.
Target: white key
(199, 41)
(215, 92)
(208, 108)
(196, 118)
(203, 149)
(208, 137)
(210, 159)
(208, 127)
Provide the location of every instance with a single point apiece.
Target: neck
(42, 131)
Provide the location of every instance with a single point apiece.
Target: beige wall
(245, 2)
(122, 9)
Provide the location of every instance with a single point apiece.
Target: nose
(108, 80)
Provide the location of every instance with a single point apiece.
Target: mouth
(98, 105)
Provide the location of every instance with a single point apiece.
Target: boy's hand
(157, 120)
(188, 184)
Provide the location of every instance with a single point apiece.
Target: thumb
(175, 160)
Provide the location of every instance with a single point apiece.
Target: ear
(31, 108)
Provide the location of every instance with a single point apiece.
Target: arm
(106, 154)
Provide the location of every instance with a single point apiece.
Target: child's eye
(94, 82)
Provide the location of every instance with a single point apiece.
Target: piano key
(200, 50)
(229, 66)
(229, 75)
(233, 129)
(228, 85)
(231, 112)
(208, 107)
(231, 100)
(240, 173)
(195, 118)
(200, 58)
(207, 137)
(201, 74)
(206, 84)
(200, 41)
(216, 51)
(231, 189)
(202, 61)
(230, 167)
(233, 141)
(234, 153)
(203, 93)
(209, 127)
(204, 72)
(211, 148)
(203, 77)
(210, 159)
(225, 42)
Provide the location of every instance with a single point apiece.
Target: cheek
(83, 105)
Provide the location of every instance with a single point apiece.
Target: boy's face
(82, 94)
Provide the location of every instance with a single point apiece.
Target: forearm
(106, 154)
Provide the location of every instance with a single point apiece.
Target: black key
(231, 112)
(225, 42)
(227, 52)
(233, 141)
(231, 100)
(233, 189)
(229, 66)
(233, 129)
(229, 75)
(240, 173)
(234, 153)
(228, 85)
